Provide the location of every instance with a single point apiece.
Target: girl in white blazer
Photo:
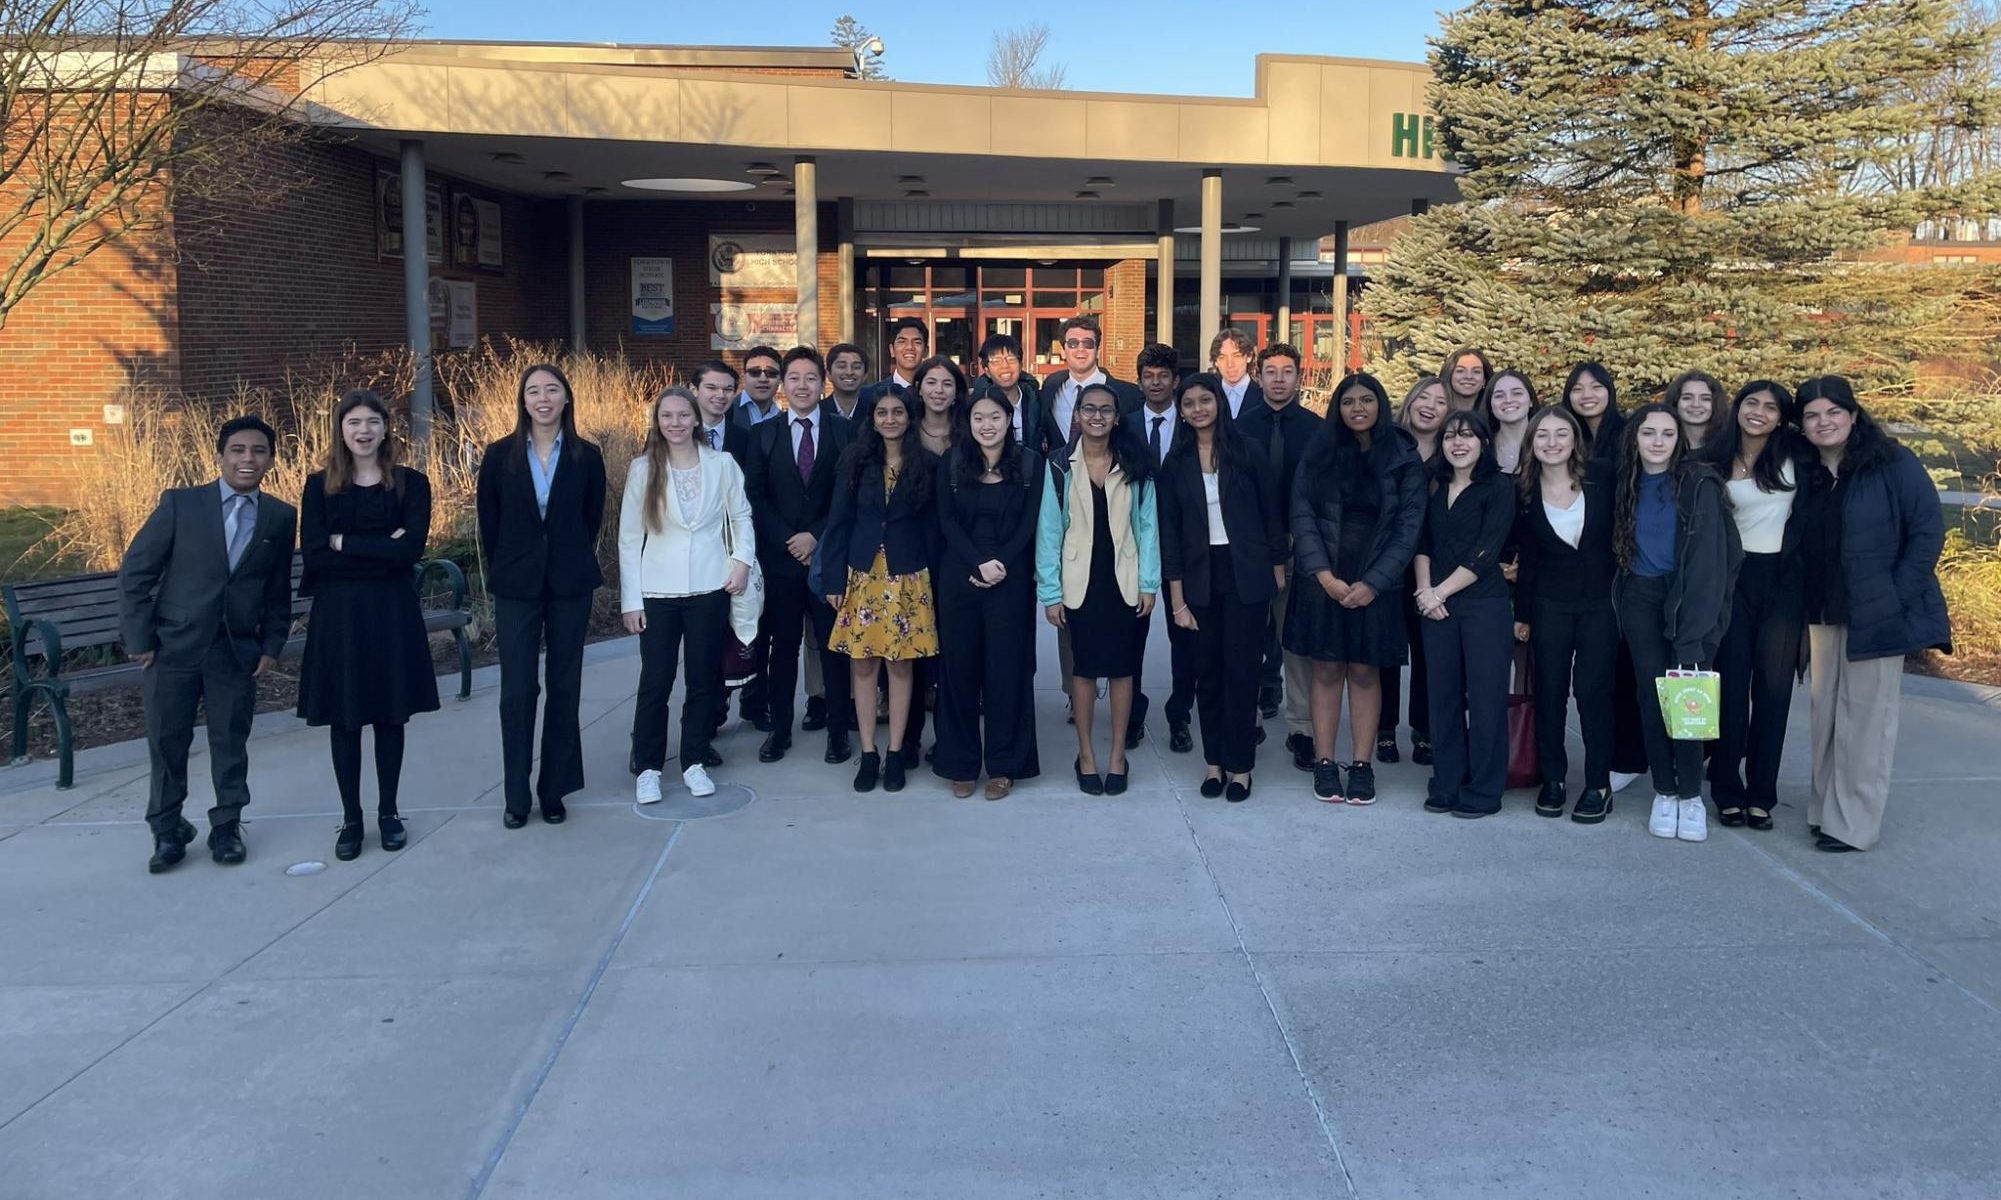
(685, 546)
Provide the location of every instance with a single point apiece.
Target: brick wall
(1126, 331)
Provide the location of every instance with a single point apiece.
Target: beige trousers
(1855, 711)
(1298, 674)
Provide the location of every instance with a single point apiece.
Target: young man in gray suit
(205, 603)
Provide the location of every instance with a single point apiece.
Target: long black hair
(867, 449)
(969, 462)
(1867, 442)
(523, 422)
(1784, 445)
(1626, 495)
(1228, 443)
(1129, 453)
(1483, 466)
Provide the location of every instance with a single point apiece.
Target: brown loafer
(962, 788)
(996, 788)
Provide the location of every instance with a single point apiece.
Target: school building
(679, 203)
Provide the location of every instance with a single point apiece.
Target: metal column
(1284, 332)
(1340, 299)
(417, 297)
(844, 234)
(1163, 283)
(806, 232)
(1212, 259)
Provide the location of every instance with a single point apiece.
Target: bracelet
(1181, 609)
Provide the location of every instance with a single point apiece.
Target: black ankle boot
(393, 836)
(347, 842)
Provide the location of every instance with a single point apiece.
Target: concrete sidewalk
(825, 995)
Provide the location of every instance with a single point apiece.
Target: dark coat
(1317, 514)
(176, 591)
(361, 555)
(527, 553)
(1608, 444)
(1130, 399)
(863, 520)
(1251, 517)
(1891, 535)
(736, 435)
(782, 504)
(1707, 554)
(1553, 572)
(1299, 424)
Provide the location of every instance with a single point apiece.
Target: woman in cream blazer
(685, 546)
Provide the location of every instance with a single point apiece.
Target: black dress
(368, 659)
(1106, 634)
(1317, 626)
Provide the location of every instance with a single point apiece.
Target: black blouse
(988, 521)
(1470, 533)
(366, 518)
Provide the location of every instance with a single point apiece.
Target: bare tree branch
(1012, 60)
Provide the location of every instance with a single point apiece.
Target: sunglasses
(1080, 343)
(762, 373)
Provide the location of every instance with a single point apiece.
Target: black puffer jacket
(1892, 531)
(1317, 511)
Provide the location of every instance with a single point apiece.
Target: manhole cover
(305, 868)
(677, 805)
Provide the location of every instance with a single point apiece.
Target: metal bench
(47, 619)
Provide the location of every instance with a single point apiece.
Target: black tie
(1277, 449)
(1153, 438)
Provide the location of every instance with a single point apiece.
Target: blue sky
(1123, 46)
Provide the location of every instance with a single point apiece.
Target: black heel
(1090, 785)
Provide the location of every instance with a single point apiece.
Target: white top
(1065, 402)
(693, 550)
(1761, 516)
(1568, 523)
(1214, 495)
(1167, 421)
(1235, 392)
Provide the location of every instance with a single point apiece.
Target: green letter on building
(1403, 135)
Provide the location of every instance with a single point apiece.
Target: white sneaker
(698, 781)
(1692, 825)
(1665, 819)
(1621, 781)
(648, 789)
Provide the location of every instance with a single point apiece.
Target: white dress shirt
(798, 424)
(1236, 392)
(1065, 404)
(1167, 419)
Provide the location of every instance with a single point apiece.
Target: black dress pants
(222, 685)
(1629, 746)
(1574, 652)
(1469, 656)
(693, 626)
(1181, 674)
(986, 677)
(524, 628)
(1420, 679)
(1229, 641)
(792, 613)
(1676, 765)
(1757, 660)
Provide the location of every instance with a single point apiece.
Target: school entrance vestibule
(964, 303)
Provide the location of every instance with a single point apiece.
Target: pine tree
(1676, 184)
(855, 36)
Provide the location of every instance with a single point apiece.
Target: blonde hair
(656, 455)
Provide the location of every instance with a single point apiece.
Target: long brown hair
(340, 460)
(1531, 466)
(1626, 501)
(656, 455)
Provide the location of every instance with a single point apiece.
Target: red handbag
(740, 662)
(1524, 770)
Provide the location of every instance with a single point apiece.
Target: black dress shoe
(394, 837)
(1438, 804)
(1090, 785)
(1179, 739)
(168, 851)
(838, 748)
(869, 771)
(1237, 792)
(554, 813)
(1758, 818)
(1551, 801)
(1420, 751)
(513, 820)
(892, 774)
(816, 714)
(1302, 750)
(225, 844)
(187, 832)
(1592, 806)
(1833, 845)
(1732, 817)
(1115, 782)
(1471, 814)
(1386, 749)
(347, 841)
(1212, 788)
(774, 748)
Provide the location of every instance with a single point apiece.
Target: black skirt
(1107, 636)
(1319, 628)
(367, 660)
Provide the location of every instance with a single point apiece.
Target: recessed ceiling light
(1252, 216)
(1281, 204)
(1096, 181)
(556, 176)
(1309, 196)
(909, 180)
(1087, 195)
(1225, 229)
(1278, 181)
(913, 193)
(509, 157)
(689, 185)
(760, 168)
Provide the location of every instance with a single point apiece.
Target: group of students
(903, 534)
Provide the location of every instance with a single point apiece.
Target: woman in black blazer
(1563, 607)
(541, 504)
(1222, 556)
(873, 566)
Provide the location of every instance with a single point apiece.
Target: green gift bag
(1690, 701)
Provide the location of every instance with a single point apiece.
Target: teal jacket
(1063, 563)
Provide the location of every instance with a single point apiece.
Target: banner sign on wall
(652, 295)
(464, 316)
(745, 261)
(735, 326)
(476, 240)
(389, 217)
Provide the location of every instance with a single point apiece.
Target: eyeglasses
(1096, 410)
(761, 373)
(1080, 343)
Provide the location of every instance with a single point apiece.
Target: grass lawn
(20, 530)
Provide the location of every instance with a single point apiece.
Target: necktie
(1277, 450)
(239, 532)
(805, 449)
(1153, 438)
(716, 438)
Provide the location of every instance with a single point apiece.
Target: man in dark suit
(1081, 339)
(759, 402)
(205, 605)
(847, 367)
(789, 474)
(1282, 429)
(1154, 424)
(909, 342)
(1001, 356)
(1230, 354)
